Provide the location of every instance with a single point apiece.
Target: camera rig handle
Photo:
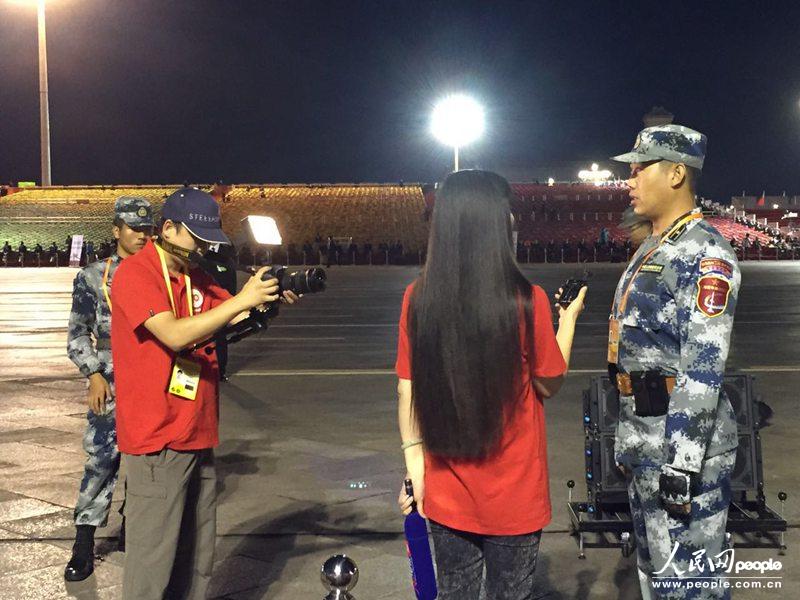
(257, 322)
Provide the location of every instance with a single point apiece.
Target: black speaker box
(601, 405)
(600, 414)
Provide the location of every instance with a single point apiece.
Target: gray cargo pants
(171, 518)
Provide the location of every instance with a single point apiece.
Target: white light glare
(264, 230)
(457, 120)
(595, 175)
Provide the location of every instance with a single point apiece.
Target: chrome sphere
(339, 573)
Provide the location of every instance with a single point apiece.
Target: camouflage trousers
(101, 468)
(675, 556)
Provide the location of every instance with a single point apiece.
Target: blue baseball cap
(199, 213)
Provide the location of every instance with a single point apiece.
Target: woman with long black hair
(476, 355)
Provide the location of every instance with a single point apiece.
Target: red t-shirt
(507, 493)
(149, 418)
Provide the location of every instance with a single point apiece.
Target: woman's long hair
(465, 319)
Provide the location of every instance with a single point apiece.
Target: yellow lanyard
(165, 272)
(105, 284)
(624, 299)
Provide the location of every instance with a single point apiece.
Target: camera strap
(176, 250)
(187, 279)
(105, 284)
(185, 379)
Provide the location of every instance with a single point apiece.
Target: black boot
(81, 565)
(121, 538)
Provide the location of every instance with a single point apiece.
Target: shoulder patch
(652, 268)
(713, 291)
(716, 265)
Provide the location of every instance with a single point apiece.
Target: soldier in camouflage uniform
(91, 318)
(669, 337)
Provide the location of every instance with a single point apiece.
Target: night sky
(157, 91)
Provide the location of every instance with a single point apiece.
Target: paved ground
(309, 465)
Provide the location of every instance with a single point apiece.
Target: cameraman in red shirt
(168, 397)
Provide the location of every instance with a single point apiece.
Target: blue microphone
(420, 560)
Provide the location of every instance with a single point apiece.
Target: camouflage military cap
(134, 210)
(674, 143)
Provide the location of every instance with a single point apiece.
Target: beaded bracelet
(410, 443)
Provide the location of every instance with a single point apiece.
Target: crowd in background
(777, 239)
(603, 249)
(328, 251)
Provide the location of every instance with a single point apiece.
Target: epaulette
(673, 237)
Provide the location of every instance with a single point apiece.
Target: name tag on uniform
(652, 268)
(613, 341)
(185, 378)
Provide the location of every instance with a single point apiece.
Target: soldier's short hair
(693, 175)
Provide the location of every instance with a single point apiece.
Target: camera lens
(309, 281)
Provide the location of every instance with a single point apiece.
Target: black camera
(308, 281)
(572, 287)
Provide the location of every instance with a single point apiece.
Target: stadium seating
(730, 229)
(367, 213)
(50, 215)
(572, 230)
(570, 198)
(771, 215)
(563, 198)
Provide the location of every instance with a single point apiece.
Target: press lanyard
(165, 272)
(624, 300)
(105, 284)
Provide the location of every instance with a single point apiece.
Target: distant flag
(762, 199)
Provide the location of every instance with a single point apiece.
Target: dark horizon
(302, 91)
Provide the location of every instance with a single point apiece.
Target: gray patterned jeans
(509, 561)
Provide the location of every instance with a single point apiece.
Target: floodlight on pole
(44, 103)
(457, 121)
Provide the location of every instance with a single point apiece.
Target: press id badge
(185, 378)
(613, 341)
